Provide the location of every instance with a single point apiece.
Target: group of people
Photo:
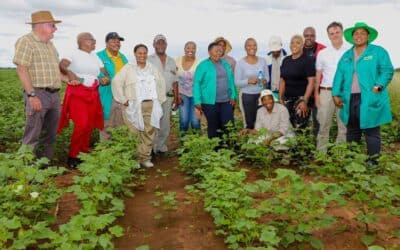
(276, 93)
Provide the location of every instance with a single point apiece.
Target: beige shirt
(276, 121)
(168, 70)
(124, 83)
(41, 59)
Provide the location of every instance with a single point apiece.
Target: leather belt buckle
(51, 90)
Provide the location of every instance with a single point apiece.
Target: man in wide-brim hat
(37, 61)
(363, 73)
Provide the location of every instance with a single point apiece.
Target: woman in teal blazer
(214, 91)
(360, 87)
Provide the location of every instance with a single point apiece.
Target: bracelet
(302, 99)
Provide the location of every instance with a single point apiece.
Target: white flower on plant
(34, 195)
(19, 189)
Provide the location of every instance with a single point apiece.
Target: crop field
(204, 194)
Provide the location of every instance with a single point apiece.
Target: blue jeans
(217, 115)
(187, 115)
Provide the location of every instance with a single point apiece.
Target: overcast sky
(198, 20)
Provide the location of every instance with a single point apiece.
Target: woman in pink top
(186, 66)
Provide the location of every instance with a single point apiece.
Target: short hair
(190, 42)
(309, 28)
(248, 40)
(81, 36)
(334, 24)
(212, 45)
(138, 46)
(297, 37)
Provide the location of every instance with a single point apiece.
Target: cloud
(59, 8)
(7, 34)
(280, 5)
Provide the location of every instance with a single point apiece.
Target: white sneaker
(147, 164)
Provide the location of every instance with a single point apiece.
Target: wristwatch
(378, 88)
(31, 94)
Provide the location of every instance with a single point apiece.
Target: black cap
(113, 35)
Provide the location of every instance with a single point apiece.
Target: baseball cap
(159, 37)
(275, 43)
(264, 92)
(113, 35)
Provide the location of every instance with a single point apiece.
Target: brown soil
(188, 227)
(68, 205)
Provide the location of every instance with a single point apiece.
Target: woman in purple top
(297, 83)
(251, 76)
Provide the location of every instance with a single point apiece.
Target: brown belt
(325, 88)
(50, 90)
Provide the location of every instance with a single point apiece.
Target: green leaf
(76, 235)
(13, 223)
(143, 247)
(355, 167)
(316, 243)
(368, 239)
(117, 231)
(268, 235)
(104, 241)
(376, 248)
(158, 216)
(252, 213)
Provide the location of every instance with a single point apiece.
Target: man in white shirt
(326, 64)
(81, 100)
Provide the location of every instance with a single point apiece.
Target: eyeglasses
(91, 39)
(51, 25)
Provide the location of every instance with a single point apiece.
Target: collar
(111, 55)
(36, 37)
(273, 109)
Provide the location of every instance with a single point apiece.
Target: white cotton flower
(19, 189)
(34, 195)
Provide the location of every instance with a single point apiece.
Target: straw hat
(42, 16)
(228, 46)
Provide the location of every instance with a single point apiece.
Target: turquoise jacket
(205, 82)
(373, 68)
(106, 96)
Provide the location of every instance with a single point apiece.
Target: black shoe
(73, 162)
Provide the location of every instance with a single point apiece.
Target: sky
(197, 20)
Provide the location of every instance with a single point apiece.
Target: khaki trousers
(145, 137)
(324, 116)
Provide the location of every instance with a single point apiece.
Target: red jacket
(88, 96)
(319, 48)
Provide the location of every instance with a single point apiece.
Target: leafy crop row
(29, 196)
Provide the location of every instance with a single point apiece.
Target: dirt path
(188, 227)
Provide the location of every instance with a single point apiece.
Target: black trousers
(217, 115)
(354, 132)
(250, 106)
